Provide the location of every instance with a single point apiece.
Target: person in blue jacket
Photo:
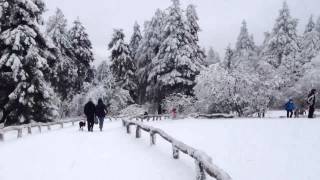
(290, 107)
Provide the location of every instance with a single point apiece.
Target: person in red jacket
(174, 113)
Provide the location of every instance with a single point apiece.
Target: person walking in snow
(89, 111)
(290, 107)
(101, 111)
(311, 102)
(174, 113)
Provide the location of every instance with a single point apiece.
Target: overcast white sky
(220, 20)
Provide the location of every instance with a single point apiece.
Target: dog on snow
(81, 125)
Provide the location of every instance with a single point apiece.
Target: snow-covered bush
(182, 103)
(134, 110)
(221, 91)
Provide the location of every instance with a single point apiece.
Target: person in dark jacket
(311, 102)
(101, 111)
(89, 111)
(290, 107)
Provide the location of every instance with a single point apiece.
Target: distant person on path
(89, 111)
(311, 102)
(101, 111)
(174, 113)
(290, 107)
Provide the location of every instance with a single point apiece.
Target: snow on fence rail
(203, 162)
(214, 116)
(150, 117)
(29, 127)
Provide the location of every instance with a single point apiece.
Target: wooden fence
(203, 162)
(149, 118)
(28, 127)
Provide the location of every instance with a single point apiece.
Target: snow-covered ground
(251, 149)
(69, 154)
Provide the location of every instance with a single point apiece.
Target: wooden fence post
(61, 125)
(72, 122)
(123, 123)
(201, 175)
(29, 130)
(39, 128)
(152, 138)
(20, 133)
(49, 127)
(138, 132)
(128, 128)
(1, 137)
(175, 152)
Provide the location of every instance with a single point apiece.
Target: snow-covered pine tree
(25, 63)
(317, 26)
(311, 25)
(148, 49)
(283, 43)
(82, 48)
(194, 29)
(65, 70)
(228, 58)
(123, 67)
(245, 45)
(310, 41)
(102, 71)
(283, 49)
(212, 57)
(176, 65)
(135, 40)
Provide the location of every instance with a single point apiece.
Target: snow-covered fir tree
(283, 50)
(283, 43)
(317, 26)
(26, 61)
(176, 65)
(310, 41)
(228, 58)
(245, 45)
(82, 48)
(148, 49)
(311, 25)
(65, 70)
(123, 67)
(245, 52)
(212, 57)
(194, 29)
(135, 40)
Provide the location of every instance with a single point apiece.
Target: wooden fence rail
(29, 127)
(203, 162)
(150, 118)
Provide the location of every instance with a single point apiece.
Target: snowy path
(251, 149)
(69, 154)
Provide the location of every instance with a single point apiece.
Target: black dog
(81, 125)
